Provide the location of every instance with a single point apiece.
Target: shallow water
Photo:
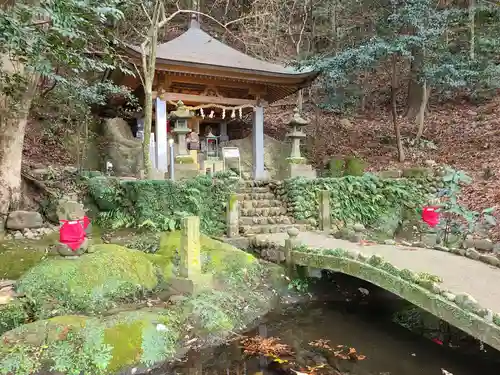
(389, 348)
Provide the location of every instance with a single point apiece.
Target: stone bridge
(452, 286)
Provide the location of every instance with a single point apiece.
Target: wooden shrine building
(216, 83)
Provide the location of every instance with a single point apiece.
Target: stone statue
(75, 228)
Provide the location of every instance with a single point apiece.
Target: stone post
(290, 243)
(190, 264)
(233, 213)
(325, 221)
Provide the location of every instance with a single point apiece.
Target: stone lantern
(184, 164)
(296, 135)
(297, 164)
(180, 116)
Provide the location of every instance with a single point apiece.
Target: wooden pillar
(223, 132)
(325, 221)
(259, 172)
(161, 144)
(190, 264)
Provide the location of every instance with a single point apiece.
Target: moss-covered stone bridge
(460, 290)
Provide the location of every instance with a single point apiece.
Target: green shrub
(336, 167)
(350, 166)
(160, 204)
(363, 199)
(106, 192)
(354, 167)
(12, 315)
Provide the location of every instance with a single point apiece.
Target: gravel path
(459, 274)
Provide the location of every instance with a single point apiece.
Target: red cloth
(85, 222)
(430, 216)
(72, 232)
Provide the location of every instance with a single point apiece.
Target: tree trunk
(11, 149)
(148, 69)
(13, 119)
(421, 113)
(472, 27)
(415, 87)
(148, 119)
(394, 89)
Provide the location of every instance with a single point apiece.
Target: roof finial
(195, 21)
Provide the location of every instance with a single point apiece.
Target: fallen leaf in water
(269, 347)
(445, 372)
(341, 353)
(323, 344)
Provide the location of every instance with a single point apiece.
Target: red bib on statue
(430, 216)
(72, 233)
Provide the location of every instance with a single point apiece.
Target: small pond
(385, 347)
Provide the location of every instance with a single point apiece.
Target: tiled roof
(198, 47)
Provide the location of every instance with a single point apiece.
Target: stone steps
(253, 184)
(263, 203)
(264, 220)
(263, 211)
(256, 196)
(269, 228)
(252, 190)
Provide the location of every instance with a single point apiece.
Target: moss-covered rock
(217, 257)
(18, 256)
(131, 337)
(245, 290)
(89, 283)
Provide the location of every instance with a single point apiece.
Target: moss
(354, 167)
(232, 200)
(220, 256)
(243, 295)
(124, 332)
(91, 282)
(126, 340)
(296, 160)
(184, 159)
(12, 315)
(18, 256)
(416, 172)
(336, 167)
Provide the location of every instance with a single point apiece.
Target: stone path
(459, 274)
